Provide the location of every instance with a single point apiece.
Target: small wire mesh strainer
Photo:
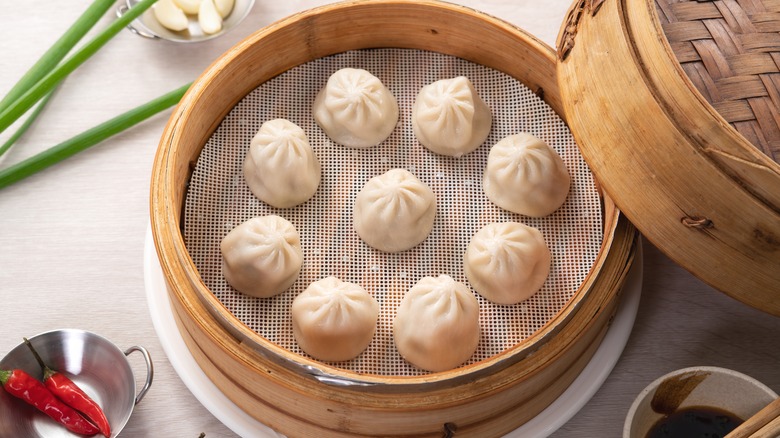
(218, 199)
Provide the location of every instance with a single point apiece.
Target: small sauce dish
(702, 392)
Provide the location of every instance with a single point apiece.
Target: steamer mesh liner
(218, 199)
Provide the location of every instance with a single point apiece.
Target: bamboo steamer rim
(489, 404)
(710, 200)
(243, 74)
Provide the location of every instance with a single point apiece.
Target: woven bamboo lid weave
(730, 50)
(676, 108)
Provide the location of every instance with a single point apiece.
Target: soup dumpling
(507, 262)
(394, 211)
(526, 176)
(334, 320)
(449, 117)
(436, 327)
(262, 257)
(280, 167)
(355, 109)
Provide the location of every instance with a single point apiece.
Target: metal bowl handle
(120, 10)
(149, 370)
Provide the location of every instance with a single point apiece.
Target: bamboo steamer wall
(484, 399)
(688, 179)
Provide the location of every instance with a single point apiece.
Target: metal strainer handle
(149, 370)
(121, 10)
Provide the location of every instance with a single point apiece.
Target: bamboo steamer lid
(675, 105)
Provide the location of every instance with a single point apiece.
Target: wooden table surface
(72, 237)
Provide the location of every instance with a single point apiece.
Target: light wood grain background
(71, 238)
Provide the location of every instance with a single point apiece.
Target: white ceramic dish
(706, 386)
(544, 424)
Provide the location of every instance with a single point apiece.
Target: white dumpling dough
(526, 176)
(394, 211)
(436, 327)
(507, 262)
(355, 109)
(280, 167)
(334, 320)
(262, 257)
(449, 117)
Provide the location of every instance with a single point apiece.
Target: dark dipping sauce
(695, 422)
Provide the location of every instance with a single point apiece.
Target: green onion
(23, 128)
(48, 61)
(15, 110)
(58, 50)
(89, 138)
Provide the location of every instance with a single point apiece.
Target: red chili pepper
(67, 391)
(22, 385)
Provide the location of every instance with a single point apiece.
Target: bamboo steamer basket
(675, 106)
(487, 398)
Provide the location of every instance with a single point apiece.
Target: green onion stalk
(89, 137)
(13, 111)
(37, 86)
(26, 125)
(48, 61)
(58, 50)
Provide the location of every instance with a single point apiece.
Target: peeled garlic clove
(170, 16)
(208, 17)
(224, 7)
(188, 6)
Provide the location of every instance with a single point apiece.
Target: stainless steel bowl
(98, 366)
(147, 25)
